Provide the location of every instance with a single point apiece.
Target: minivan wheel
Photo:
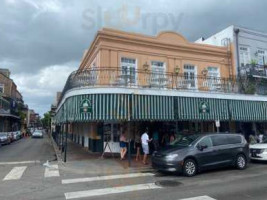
(241, 162)
(189, 168)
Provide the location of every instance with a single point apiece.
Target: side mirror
(202, 147)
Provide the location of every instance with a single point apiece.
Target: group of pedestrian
(142, 142)
(254, 138)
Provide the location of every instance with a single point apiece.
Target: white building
(250, 45)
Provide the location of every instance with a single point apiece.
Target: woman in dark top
(123, 145)
(137, 146)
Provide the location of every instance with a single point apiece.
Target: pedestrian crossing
(15, 173)
(199, 198)
(122, 189)
(109, 190)
(110, 177)
(112, 190)
(98, 190)
(18, 172)
(51, 171)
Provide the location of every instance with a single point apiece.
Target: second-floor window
(214, 81)
(262, 56)
(158, 73)
(1, 88)
(190, 76)
(244, 56)
(128, 67)
(213, 72)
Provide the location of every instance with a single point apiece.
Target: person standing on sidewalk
(137, 146)
(145, 140)
(123, 146)
(155, 140)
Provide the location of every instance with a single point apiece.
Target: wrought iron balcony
(115, 77)
(259, 71)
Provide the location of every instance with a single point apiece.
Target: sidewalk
(81, 161)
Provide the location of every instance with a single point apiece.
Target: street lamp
(204, 72)
(177, 70)
(145, 66)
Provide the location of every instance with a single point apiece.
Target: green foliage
(253, 62)
(46, 119)
(248, 85)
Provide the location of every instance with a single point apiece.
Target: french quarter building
(127, 82)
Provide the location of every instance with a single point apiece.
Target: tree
(46, 120)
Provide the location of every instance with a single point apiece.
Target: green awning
(248, 110)
(126, 107)
(102, 107)
(191, 108)
(148, 107)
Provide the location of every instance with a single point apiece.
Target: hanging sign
(86, 106)
(204, 107)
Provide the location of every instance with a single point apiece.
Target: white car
(258, 151)
(16, 135)
(37, 134)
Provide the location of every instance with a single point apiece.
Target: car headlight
(171, 156)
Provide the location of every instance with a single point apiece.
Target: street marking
(21, 162)
(110, 177)
(112, 190)
(51, 171)
(15, 173)
(199, 198)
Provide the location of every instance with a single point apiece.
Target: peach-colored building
(129, 81)
(168, 52)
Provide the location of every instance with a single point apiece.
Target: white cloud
(39, 90)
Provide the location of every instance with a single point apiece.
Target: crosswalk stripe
(15, 173)
(199, 198)
(113, 190)
(110, 177)
(20, 162)
(51, 171)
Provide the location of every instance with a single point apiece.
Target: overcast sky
(42, 41)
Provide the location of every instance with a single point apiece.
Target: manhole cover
(168, 183)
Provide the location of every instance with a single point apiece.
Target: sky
(42, 41)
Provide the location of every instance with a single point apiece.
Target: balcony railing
(254, 70)
(115, 77)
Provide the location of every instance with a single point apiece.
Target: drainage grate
(168, 183)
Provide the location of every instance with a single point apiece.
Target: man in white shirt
(145, 140)
(260, 138)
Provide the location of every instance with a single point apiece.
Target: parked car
(190, 154)
(17, 135)
(10, 136)
(4, 139)
(259, 151)
(37, 134)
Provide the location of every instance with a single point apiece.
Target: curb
(57, 152)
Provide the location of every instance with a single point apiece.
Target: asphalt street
(24, 176)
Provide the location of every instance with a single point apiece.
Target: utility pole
(66, 137)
